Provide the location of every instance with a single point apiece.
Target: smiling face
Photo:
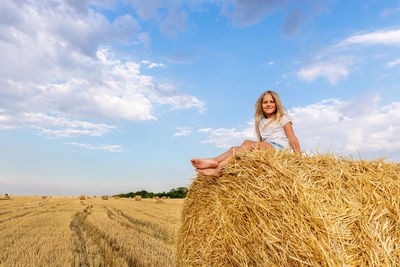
(268, 106)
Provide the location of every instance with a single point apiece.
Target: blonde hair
(279, 112)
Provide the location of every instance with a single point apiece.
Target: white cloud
(182, 131)
(58, 61)
(7, 127)
(151, 65)
(54, 126)
(333, 70)
(393, 63)
(4, 118)
(360, 124)
(333, 65)
(105, 148)
(204, 130)
(156, 65)
(348, 127)
(120, 92)
(384, 37)
(226, 138)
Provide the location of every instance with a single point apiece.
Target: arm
(294, 143)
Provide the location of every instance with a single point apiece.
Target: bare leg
(213, 162)
(216, 172)
(204, 163)
(247, 145)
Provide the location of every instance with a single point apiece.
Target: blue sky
(103, 97)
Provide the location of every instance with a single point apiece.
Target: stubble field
(65, 231)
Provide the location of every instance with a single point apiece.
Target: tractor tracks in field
(5, 212)
(84, 233)
(18, 212)
(18, 216)
(36, 211)
(17, 209)
(146, 227)
(78, 238)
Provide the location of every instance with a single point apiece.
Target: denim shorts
(277, 146)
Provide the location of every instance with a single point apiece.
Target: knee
(247, 144)
(234, 148)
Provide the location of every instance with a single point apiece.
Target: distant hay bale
(105, 197)
(44, 197)
(116, 197)
(164, 197)
(157, 197)
(159, 201)
(275, 208)
(138, 198)
(82, 197)
(168, 197)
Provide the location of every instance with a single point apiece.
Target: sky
(106, 97)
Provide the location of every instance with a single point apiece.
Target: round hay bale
(164, 197)
(138, 198)
(82, 197)
(105, 197)
(157, 197)
(44, 197)
(275, 208)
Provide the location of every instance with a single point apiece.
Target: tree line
(179, 192)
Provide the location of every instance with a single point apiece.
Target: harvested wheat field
(275, 208)
(60, 231)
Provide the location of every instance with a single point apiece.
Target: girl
(273, 128)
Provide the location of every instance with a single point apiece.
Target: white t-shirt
(274, 132)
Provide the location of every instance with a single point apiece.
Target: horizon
(108, 97)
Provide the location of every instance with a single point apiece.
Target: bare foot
(204, 163)
(215, 172)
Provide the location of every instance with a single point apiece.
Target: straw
(275, 207)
